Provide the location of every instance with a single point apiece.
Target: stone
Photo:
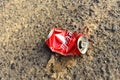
(114, 28)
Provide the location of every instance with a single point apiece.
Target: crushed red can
(66, 43)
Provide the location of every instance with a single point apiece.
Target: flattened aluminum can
(66, 43)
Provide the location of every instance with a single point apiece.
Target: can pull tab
(86, 32)
(83, 44)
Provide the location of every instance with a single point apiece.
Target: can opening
(82, 44)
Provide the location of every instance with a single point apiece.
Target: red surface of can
(67, 43)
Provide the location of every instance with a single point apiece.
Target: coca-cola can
(66, 43)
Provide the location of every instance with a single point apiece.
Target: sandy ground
(25, 24)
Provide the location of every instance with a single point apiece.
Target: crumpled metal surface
(67, 43)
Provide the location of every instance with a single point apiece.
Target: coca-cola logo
(66, 41)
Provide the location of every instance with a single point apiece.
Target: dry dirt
(25, 24)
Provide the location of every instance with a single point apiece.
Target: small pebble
(114, 28)
(12, 66)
